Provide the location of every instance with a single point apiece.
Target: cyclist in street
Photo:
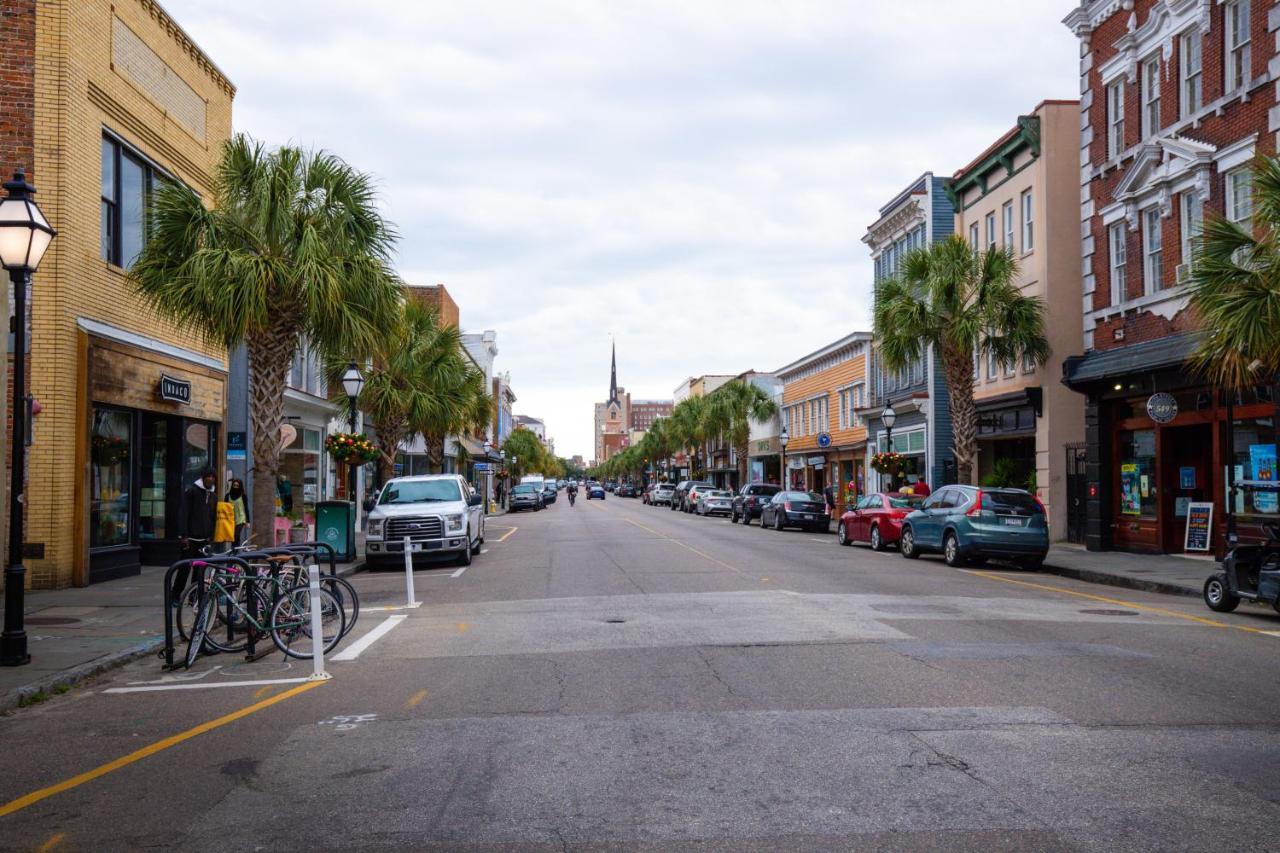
(572, 489)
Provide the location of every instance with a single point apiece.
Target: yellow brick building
(130, 405)
(821, 394)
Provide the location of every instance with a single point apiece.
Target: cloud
(693, 178)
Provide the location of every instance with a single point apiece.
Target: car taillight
(976, 509)
(1040, 507)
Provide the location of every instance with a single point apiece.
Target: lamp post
(889, 417)
(25, 234)
(352, 384)
(783, 438)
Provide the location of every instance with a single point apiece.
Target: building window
(1154, 250)
(1150, 96)
(1028, 215)
(993, 367)
(1192, 95)
(991, 231)
(973, 238)
(977, 363)
(1237, 36)
(1028, 363)
(1240, 197)
(1010, 368)
(127, 181)
(1138, 473)
(1192, 221)
(843, 416)
(110, 475)
(1007, 212)
(1119, 262)
(1115, 118)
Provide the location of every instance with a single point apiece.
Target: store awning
(1100, 365)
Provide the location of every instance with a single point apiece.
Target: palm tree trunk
(435, 452)
(958, 369)
(391, 434)
(741, 449)
(270, 357)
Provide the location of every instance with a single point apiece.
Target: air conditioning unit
(1182, 272)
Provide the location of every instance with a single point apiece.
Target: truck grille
(417, 528)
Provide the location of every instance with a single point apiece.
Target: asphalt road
(614, 676)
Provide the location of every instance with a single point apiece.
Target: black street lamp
(889, 417)
(25, 234)
(352, 384)
(783, 438)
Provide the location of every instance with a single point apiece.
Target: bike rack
(217, 559)
(310, 548)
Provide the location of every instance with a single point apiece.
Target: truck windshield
(420, 491)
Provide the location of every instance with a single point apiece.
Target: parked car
(680, 500)
(877, 519)
(648, 490)
(595, 490)
(691, 497)
(439, 513)
(750, 499)
(549, 492)
(713, 502)
(626, 490)
(968, 524)
(807, 510)
(525, 496)
(662, 494)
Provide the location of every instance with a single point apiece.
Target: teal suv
(968, 524)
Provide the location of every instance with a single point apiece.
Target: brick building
(99, 100)
(1023, 194)
(821, 395)
(1177, 96)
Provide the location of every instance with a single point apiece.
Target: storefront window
(1138, 472)
(1255, 462)
(111, 459)
(300, 473)
(152, 487)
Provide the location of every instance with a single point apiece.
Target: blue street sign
(482, 466)
(824, 439)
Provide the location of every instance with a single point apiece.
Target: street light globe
(25, 234)
(352, 381)
(783, 437)
(889, 416)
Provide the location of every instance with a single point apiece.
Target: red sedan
(877, 519)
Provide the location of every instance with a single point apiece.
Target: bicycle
(288, 623)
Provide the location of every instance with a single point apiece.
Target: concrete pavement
(611, 676)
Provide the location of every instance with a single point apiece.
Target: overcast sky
(691, 177)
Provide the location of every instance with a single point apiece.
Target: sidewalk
(1161, 573)
(74, 634)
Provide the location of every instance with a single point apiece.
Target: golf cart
(1249, 572)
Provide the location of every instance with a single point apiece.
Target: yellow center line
(54, 841)
(262, 691)
(416, 699)
(1145, 608)
(702, 554)
(505, 536)
(146, 751)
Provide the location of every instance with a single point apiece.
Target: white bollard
(317, 629)
(410, 599)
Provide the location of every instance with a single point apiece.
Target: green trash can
(336, 527)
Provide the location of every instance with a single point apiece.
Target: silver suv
(439, 513)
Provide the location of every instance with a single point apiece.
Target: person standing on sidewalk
(199, 505)
(830, 494)
(240, 503)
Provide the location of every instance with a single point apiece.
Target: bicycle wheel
(184, 615)
(342, 590)
(291, 622)
(237, 640)
(200, 629)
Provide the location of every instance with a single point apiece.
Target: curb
(77, 674)
(1140, 584)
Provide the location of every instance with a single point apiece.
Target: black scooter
(1250, 572)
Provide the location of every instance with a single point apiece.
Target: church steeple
(613, 375)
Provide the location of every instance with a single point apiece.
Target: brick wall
(437, 297)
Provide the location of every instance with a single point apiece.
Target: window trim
(1028, 222)
(1230, 210)
(1186, 223)
(991, 230)
(1186, 77)
(1150, 85)
(150, 169)
(1118, 259)
(1006, 211)
(1152, 278)
(1115, 119)
(1243, 48)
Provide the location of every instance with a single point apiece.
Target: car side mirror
(475, 500)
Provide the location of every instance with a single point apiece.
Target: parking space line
(1144, 608)
(159, 746)
(358, 647)
(203, 685)
(458, 573)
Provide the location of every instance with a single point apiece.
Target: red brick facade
(17, 86)
(1124, 34)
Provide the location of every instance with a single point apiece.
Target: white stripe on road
(459, 572)
(357, 648)
(204, 685)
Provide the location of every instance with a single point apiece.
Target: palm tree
(292, 247)
(659, 442)
(1235, 288)
(732, 408)
(958, 303)
(689, 424)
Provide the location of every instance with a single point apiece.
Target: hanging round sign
(1162, 407)
(824, 439)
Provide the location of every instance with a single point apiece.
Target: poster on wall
(1262, 464)
(1130, 494)
(1199, 524)
(1186, 477)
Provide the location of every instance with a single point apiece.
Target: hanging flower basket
(351, 447)
(889, 462)
(109, 450)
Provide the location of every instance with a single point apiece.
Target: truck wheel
(1217, 594)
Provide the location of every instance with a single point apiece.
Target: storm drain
(615, 620)
(1105, 612)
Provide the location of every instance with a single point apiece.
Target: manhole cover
(51, 620)
(1104, 612)
(615, 620)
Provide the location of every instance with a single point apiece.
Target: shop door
(1185, 473)
(1077, 493)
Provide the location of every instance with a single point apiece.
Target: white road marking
(357, 648)
(205, 685)
(170, 679)
(458, 573)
